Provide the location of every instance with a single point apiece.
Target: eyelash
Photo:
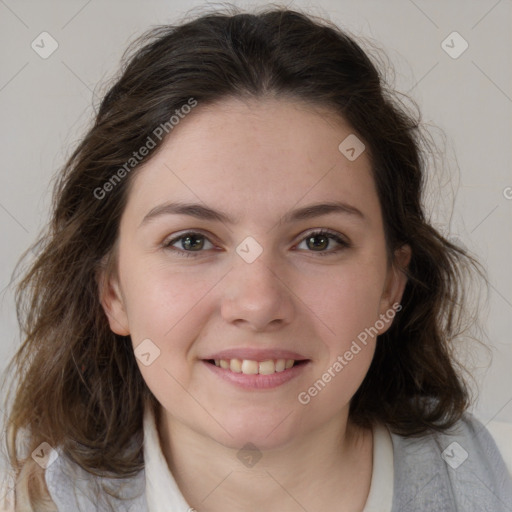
(344, 244)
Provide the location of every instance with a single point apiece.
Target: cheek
(166, 305)
(166, 311)
(346, 309)
(345, 300)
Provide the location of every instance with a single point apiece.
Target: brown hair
(79, 386)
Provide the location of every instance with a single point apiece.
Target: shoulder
(460, 469)
(502, 434)
(73, 488)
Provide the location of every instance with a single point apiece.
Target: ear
(395, 284)
(112, 301)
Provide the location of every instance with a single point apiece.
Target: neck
(330, 467)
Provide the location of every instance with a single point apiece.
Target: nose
(257, 296)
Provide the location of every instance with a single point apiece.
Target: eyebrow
(202, 212)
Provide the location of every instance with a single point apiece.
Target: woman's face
(254, 282)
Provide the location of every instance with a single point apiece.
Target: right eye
(191, 242)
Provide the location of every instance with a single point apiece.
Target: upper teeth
(251, 367)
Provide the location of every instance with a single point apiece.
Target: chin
(268, 434)
(255, 441)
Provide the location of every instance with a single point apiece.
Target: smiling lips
(251, 367)
(256, 368)
(257, 375)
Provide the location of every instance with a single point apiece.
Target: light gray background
(46, 106)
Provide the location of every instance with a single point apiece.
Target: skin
(256, 160)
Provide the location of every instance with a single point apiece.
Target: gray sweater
(459, 471)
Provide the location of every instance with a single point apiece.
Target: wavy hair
(77, 383)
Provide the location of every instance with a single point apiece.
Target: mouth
(256, 368)
(253, 367)
(252, 375)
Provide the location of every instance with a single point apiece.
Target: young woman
(239, 303)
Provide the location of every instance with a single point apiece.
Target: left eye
(318, 241)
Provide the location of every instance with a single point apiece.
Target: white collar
(380, 497)
(163, 494)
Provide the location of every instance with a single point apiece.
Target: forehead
(255, 157)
